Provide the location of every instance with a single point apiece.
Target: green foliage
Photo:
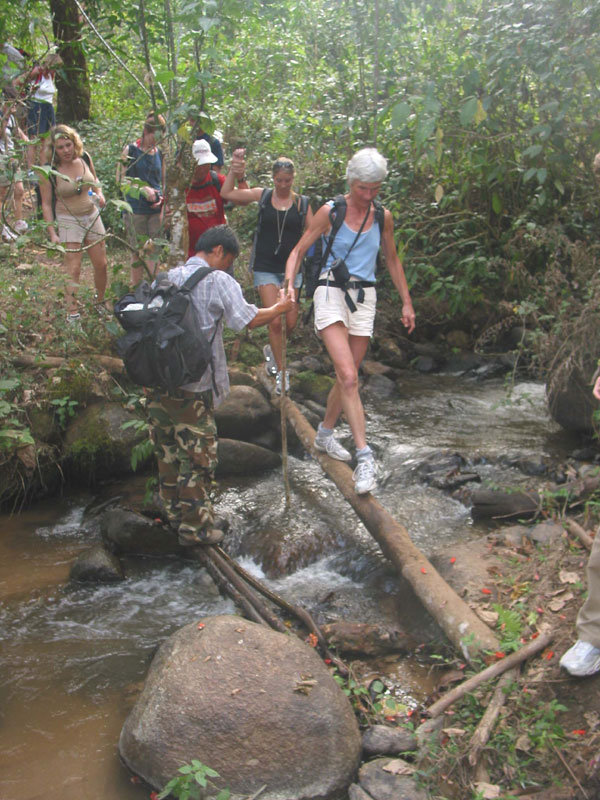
(510, 626)
(189, 784)
(14, 432)
(64, 409)
(371, 704)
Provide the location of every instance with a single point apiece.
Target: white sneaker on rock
(270, 365)
(278, 382)
(331, 446)
(365, 476)
(582, 659)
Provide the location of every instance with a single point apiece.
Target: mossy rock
(96, 444)
(312, 386)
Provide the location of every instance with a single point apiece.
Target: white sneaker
(7, 234)
(270, 365)
(331, 446)
(278, 382)
(365, 476)
(21, 226)
(582, 659)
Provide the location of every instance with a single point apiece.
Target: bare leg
(346, 352)
(72, 265)
(18, 199)
(269, 295)
(97, 255)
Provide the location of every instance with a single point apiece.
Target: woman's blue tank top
(362, 260)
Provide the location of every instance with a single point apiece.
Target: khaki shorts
(141, 227)
(79, 228)
(330, 307)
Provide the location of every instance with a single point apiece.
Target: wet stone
(383, 785)
(381, 740)
(97, 565)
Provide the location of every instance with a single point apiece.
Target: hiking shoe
(21, 226)
(331, 446)
(365, 476)
(270, 365)
(582, 659)
(7, 234)
(278, 382)
(190, 538)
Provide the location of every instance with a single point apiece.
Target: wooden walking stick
(282, 405)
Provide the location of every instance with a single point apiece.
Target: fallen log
(486, 724)
(49, 362)
(530, 649)
(460, 623)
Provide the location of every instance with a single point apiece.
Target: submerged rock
(383, 785)
(243, 414)
(257, 706)
(97, 565)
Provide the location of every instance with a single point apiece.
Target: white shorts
(79, 228)
(331, 306)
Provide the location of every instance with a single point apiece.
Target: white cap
(202, 152)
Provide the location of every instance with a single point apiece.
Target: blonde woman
(71, 203)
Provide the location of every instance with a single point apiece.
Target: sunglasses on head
(283, 165)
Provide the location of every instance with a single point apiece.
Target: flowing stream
(72, 658)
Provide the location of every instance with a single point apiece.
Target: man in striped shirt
(183, 427)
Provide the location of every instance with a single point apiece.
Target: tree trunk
(72, 79)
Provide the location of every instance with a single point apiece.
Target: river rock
(382, 785)
(570, 400)
(244, 458)
(125, 531)
(257, 706)
(381, 740)
(488, 503)
(363, 638)
(97, 565)
(379, 387)
(96, 443)
(546, 532)
(312, 386)
(355, 792)
(243, 414)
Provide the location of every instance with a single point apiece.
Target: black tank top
(290, 228)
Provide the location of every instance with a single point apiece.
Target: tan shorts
(330, 307)
(79, 228)
(141, 227)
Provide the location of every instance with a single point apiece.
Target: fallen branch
(486, 724)
(576, 529)
(530, 649)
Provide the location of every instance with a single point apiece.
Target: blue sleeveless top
(362, 260)
(147, 168)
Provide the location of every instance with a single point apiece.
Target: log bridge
(467, 632)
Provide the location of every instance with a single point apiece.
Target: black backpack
(164, 346)
(265, 198)
(314, 263)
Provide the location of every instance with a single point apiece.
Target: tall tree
(72, 80)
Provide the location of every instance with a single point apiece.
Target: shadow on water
(72, 658)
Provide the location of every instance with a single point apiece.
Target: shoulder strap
(265, 198)
(379, 215)
(215, 179)
(302, 207)
(336, 217)
(86, 158)
(195, 278)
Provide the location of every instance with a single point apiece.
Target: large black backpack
(164, 346)
(265, 199)
(316, 259)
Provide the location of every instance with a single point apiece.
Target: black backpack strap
(302, 206)
(265, 198)
(195, 278)
(214, 177)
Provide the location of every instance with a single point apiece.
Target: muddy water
(72, 659)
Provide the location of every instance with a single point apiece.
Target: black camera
(340, 271)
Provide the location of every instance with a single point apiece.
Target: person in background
(144, 161)
(71, 204)
(40, 104)
(204, 204)
(282, 218)
(345, 331)
(583, 658)
(9, 184)
(182, 425)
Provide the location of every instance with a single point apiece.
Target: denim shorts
(40, 118)
(276, 278)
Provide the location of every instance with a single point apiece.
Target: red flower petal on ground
(452, 560)
(579, 732)
(534, 635)
(486, 591)
(200, 626)
(549, 655)
(423, 570)
(327, 660)
(500, 654)
(153, 795)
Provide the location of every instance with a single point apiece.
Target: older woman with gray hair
(345, 298)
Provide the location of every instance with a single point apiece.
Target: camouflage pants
(184, 435)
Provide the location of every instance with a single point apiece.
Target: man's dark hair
(218, 235)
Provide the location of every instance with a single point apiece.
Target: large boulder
(569, 391)
(257, 706)
(244, 414)
(244, 458)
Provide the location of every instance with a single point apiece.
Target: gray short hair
(367, 165)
